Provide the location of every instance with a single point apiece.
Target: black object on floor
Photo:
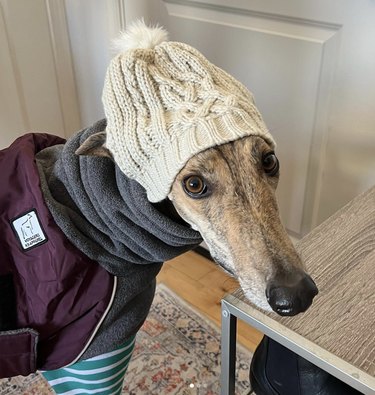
(275, 370)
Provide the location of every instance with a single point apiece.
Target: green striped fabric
(102, 375)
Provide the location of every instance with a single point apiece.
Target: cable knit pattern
(167, 103)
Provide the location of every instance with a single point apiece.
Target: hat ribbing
(164, 103)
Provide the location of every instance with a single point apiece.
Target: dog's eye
(194, 186)
(270, 163)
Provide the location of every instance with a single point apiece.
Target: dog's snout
(291, 296)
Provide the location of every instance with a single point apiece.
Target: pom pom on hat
(139, 36)
(165, 102)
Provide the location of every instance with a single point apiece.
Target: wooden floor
(202, 283)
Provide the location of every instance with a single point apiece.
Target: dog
(183, 155)
(227, 194)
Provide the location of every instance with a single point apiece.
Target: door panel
(285, 63)
(37, 88)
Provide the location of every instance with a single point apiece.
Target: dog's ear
(94, 146)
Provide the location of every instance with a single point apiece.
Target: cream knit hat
(165, 102)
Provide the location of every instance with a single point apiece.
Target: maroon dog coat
(52, 296)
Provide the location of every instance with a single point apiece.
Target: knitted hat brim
(159, 174)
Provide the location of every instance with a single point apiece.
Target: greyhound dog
(182, 155)
(227, 194)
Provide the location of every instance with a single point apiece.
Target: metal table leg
(228, 350)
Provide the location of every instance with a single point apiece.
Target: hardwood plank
(192, 264)
(218, 279)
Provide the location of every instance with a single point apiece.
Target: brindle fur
(239, 218)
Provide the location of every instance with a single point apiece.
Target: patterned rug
(177, 353)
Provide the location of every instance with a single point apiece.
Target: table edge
(326, 360)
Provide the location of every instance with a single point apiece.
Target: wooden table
(337, 333)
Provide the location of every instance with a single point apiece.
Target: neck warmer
(108, 217)
(104, 213)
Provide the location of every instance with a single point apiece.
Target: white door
(311, 67)
(37, 88)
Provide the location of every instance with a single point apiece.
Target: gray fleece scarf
(108, 217)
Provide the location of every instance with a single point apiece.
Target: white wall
(152, 11)
(92, 25)
(89, 32)
(37, 89)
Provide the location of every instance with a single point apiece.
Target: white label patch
(29, 230)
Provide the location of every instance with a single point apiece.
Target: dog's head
(227, 193)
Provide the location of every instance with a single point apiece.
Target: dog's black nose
(293, 295)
